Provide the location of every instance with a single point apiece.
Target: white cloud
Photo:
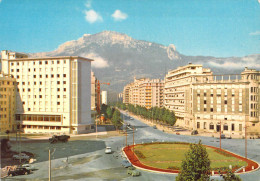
(98, 62)
(233, 65)
(88, 4)
(119, 16)
(256, 33)
(92, 16)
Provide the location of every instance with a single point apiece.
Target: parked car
(223, 136)
(131, 118)
(18, 171)
(62, 138)
(194, 132)
(108, 150)
(21, 156)
(154, 127)
(28, 167)
(132, 171)
(126, 163)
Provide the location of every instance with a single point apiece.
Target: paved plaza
(84, 158)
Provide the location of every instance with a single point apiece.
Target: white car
(28, 166)
(108, 150)
(132, 118)
(21, 156)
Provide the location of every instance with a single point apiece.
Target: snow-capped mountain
(119, 58)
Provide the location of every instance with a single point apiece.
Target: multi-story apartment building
(210, 102)
(53, 93)
(7, 103)
(93, 91)
(104, 97)
(144, 92)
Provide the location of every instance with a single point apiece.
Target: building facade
(204, 101)
(7, 103)
(144, 92)
(104, 97)
(53, 93)
(93, 91)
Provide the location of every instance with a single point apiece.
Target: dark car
(126, 163)
(18, 171)
(61, 138)
(194, 132)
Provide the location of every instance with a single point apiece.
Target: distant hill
(119, 58)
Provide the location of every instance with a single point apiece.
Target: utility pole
(220, 135)
(126, 136)
(49, 165)
(245, 141)
(133, 139)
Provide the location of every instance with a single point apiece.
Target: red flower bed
(136, 162)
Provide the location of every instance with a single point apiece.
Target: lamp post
(133, 139)
(220, 135)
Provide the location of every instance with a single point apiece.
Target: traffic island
(166, 157)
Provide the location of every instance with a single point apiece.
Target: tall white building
(53, 93)
(104, 97)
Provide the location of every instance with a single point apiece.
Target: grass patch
(170, 155)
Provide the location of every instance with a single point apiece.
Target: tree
(230, 176)
(196, 165)
(109, 112)
(116, 119)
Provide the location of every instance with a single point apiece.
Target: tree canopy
(155, 113)
(196, 165)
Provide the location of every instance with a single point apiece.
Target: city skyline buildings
(53, 93)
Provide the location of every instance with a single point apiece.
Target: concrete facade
(144, 92)
(7, 103)
(208, 102)
(53, 93)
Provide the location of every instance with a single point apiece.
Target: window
(40, 89)
(198, 125)
(34, 76)
(64, 75)
(34, 83)
(29, 109)
(46, 76)
(58, 96)
(40, 96)
(29, 70)
(205, 102)
(205, 94)
(29, 90)
(46, 62)
(52, 75)
(17, 76)
(40, 82)
(58, 89)
(205, 109)
(64, 82)
(58, 75)
(64, 89)
(40, 76)
(233, 127)
(225, 101)
(58, 82)
(211, 126)
(58, 103)
(211, 109)
(40, 62)
(58, 62)
(225, 127)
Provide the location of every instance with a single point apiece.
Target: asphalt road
(86, 160)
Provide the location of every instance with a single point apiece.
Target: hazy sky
(196, 27)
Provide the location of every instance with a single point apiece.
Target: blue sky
(218, 28)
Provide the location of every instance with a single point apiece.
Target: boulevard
(85, 159)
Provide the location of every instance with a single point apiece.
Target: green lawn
(165, 155)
